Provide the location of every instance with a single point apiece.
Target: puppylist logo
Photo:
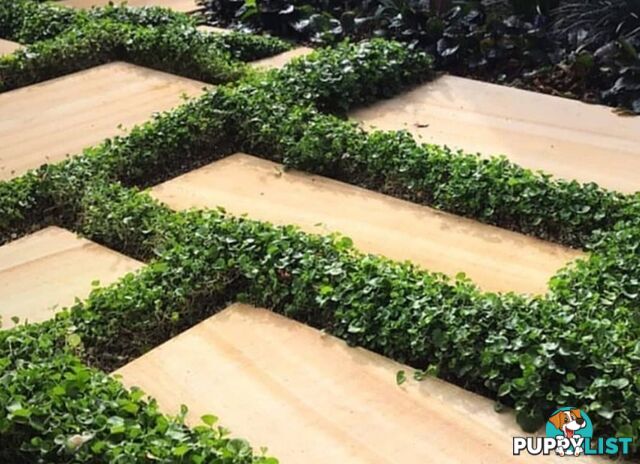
(570, 433)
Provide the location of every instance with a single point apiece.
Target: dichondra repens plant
(576, 345)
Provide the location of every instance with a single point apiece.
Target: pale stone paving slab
(45, 271)
(310, 399)
(565, 138)
(45, 122)
(281, 59)
(184, 6)
(494, 258)
(7, 47)
(212, 29)
(271, 62)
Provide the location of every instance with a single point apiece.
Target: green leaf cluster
(56, 409)
(150, 37)
(576, 345)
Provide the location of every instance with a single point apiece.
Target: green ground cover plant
(585, 49)
(151, 37)
(201, 130)
(576, 345)
(28, 21)
(58, 410)
(277, 116)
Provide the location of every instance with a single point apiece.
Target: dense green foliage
(55, 409)
(584, 49)
(276, 117)
(322, 20)
(82, 40)
(516, 348)
(594, 24)
(28, 21)
(470, 38)
(577, 345)
(604, 38)
(493, 190)
(204, 129)
(181, 51)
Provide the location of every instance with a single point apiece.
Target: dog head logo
(571, 426)
(568, 421)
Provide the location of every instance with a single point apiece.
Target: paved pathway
(280, 60)
(46, 271)
(184, 6)
(494, 258)
(310, 399)
(7, 47)
(305, 395)
(566, 138)
(45, 122)
(272, 62)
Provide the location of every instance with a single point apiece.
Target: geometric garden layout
(233, 233)
(495, 259)
(311, 398)
(562, 137)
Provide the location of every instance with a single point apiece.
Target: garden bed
(68, 41)
(309, 397)
(577, 344)
(493, 258)
(586, 50)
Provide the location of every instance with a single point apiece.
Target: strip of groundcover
(152, 37)
(516, 348)
(503, 346)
